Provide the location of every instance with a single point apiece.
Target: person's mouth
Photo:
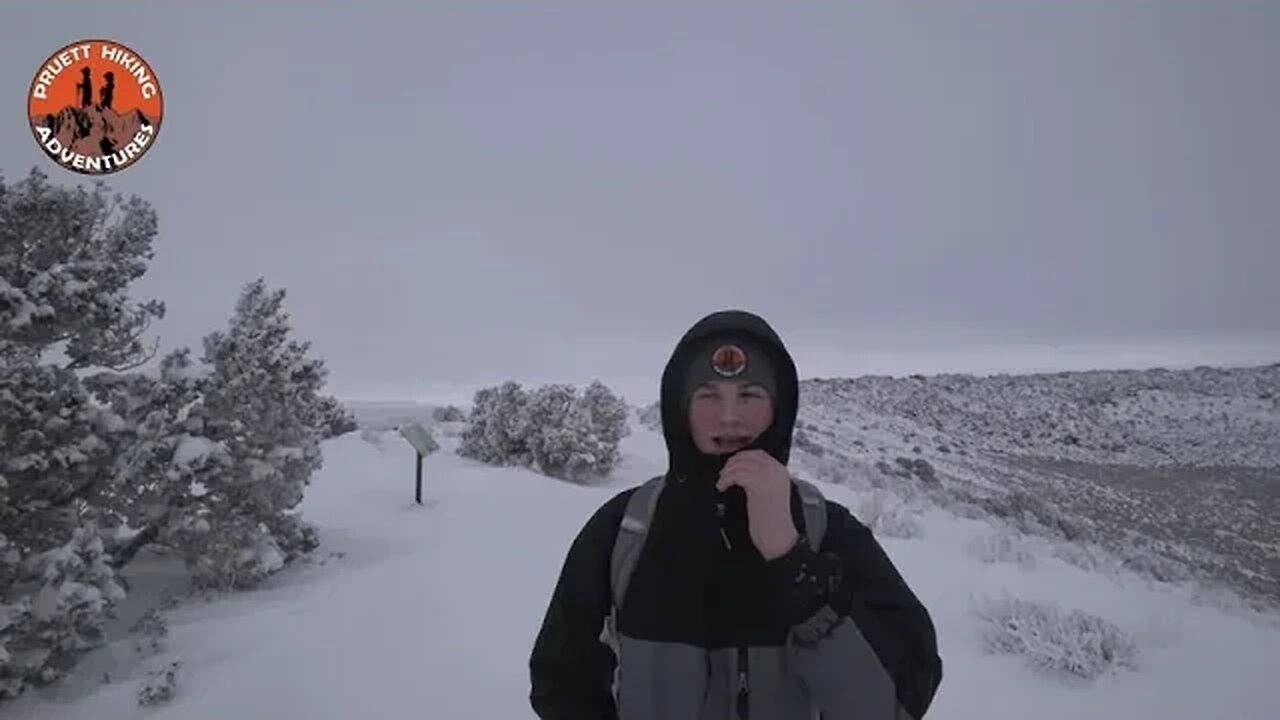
(730, 443)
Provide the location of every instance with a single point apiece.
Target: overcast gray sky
(549, 192)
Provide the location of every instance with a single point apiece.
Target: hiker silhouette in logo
(85, 86)
(725, 587)
(108, 91)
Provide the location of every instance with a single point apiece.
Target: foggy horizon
(452, 198)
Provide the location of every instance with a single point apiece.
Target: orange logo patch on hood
(729, 361)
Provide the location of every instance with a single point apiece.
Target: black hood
(684, 458)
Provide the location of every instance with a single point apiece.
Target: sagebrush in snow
(160, 686)
(1003, 545)
(888, 516)
(151, 630)
(651, 417)
(448, 413)
(552, 429)
(1052, 639)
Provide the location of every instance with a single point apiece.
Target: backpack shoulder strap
(632, 532)
(815, 512)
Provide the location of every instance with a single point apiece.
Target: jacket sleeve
(862, 641)
(571, 668)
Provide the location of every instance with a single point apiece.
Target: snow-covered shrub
(448, 413)
(160, 686)
(334, 419)
(495, 433)
(831, 469)
(888, 516)
(1089, 557)
(606, 412)
(1034, 516)
(1049, 638)
(804, 442)
(1004, 545)
(151, 630)
(919, 468)
(651, 417)
(373, 436)
(551, 429)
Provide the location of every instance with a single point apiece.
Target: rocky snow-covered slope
(1173, 473)
(1176, 473)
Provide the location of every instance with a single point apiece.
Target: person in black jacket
(729, 611)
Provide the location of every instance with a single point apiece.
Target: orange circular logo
(95, 107)
(729, 360)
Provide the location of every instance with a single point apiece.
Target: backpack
(635, 525)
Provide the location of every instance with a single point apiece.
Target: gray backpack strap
(815, 512)
(632, 532)
(631, 535)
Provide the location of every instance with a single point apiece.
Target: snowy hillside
(1174, 474)
(1206, 416)
(430, 611)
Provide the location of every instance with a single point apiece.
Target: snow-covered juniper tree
(67, 259)
(495, 433)
(260, 420)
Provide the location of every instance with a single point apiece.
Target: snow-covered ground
(430, 612)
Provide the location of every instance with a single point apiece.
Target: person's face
(727, 415)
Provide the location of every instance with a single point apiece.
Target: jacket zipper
(744, 690)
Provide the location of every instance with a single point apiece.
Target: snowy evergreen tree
(67, 259)
(165, 457)
(261, 419)
(99, 459)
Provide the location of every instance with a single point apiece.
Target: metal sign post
(424, 444)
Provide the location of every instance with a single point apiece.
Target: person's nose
(729, 415)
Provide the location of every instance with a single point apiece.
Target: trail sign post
(424, 444)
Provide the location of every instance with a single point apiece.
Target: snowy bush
(888, 516)
(552, 429)
(160, 686)
(448, 413)
(651, 417)
(1033, 516)
(1089, 557)
(1052, 639)
(495, 432)
(334, 419)
(151, 629)
(1003, 546)
(373, 436)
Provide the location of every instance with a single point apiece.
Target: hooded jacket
(711, 629)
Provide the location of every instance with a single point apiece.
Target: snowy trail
(431, 611)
